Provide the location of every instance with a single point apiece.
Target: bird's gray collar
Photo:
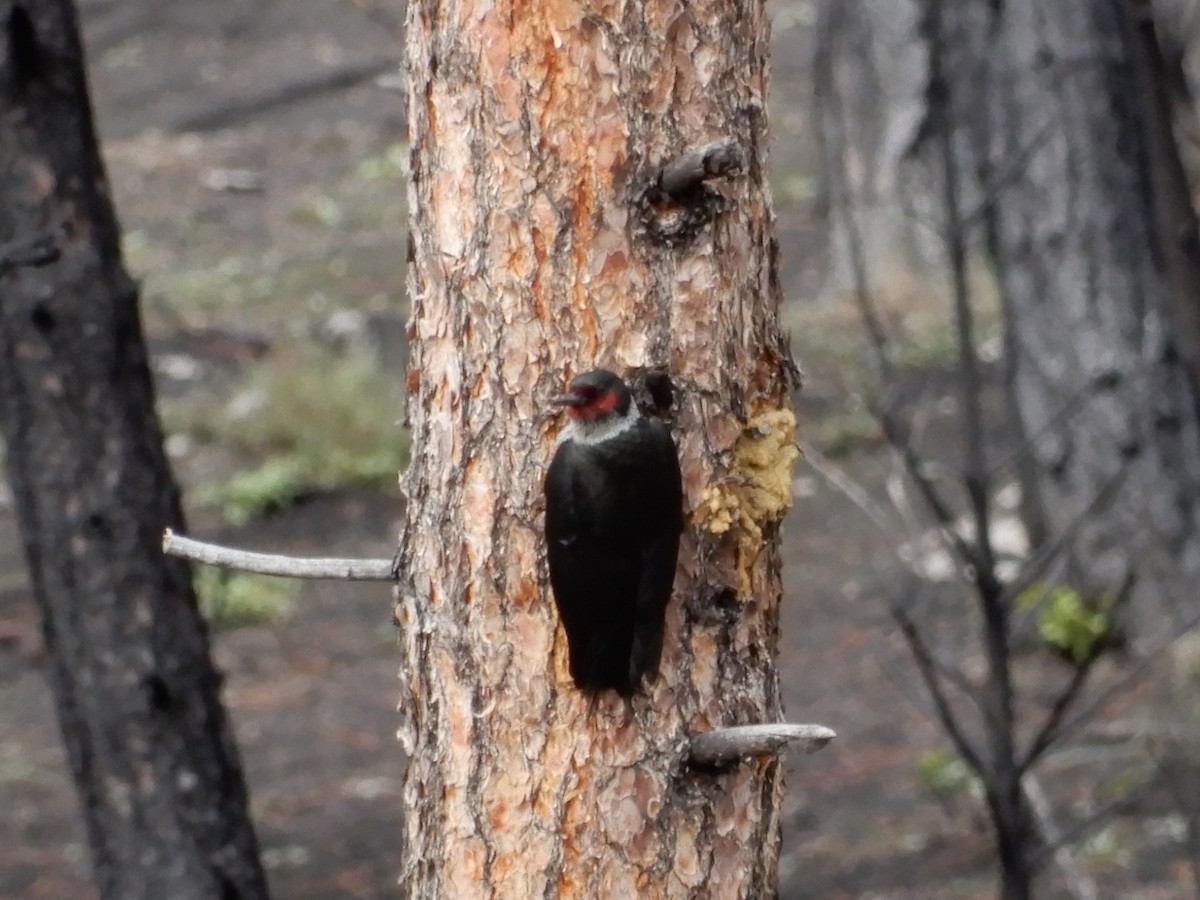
(592, 433)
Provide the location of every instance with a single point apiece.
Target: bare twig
(927, 666)
(1086, 712)
(1030, 439)
(1037, 563)
(849, 488)
(975, 474)
(1015, 167)
(275, 564)
(897, 437)
(1046, 734)
(932, 673)
(1086, 824)
(1080, 885)
(725, 746)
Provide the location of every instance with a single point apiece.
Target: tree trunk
(1098, 267)
(540, 249)
(149, 746)
(1063, 114)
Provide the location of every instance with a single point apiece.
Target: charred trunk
(149, 746)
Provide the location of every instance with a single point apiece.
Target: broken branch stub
(679, 199)
(685, 174)
(726, 747)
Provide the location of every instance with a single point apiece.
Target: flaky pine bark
(538, 252)
(137, 696)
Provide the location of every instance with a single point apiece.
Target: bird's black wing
(594, 565)
(660, 522)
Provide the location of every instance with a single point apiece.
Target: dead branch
(835, 150)
(1150, 656)
(1014, 169)
(678, 200)
(1056, 546)
(726, 746)
(850, 489)
(897, 436)
(682, 176)
(930, 676)
(275, 564)
(1049, 728)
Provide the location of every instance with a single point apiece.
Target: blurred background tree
(150, 749)
(1028, 151)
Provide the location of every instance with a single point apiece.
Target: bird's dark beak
(569, 400)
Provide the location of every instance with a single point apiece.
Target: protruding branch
(678, 200)
(275, 564)
(726, 746)
(679, 178)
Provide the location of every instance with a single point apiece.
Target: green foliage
(277, 483)
(1067, 622)
(944, 772)
(236, 599)
(316, 421)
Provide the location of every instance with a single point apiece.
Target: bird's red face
(586, 403)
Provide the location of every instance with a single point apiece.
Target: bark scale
(149, 746)
(536, 131)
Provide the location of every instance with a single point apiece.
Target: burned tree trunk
(148, 743)
(1097, 258)
(558, 225)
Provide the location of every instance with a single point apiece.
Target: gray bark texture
(871, 71)
(1074, 190)
(1096, 263)
(547, 240)
(149, 747)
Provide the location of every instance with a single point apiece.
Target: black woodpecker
(614, 513)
